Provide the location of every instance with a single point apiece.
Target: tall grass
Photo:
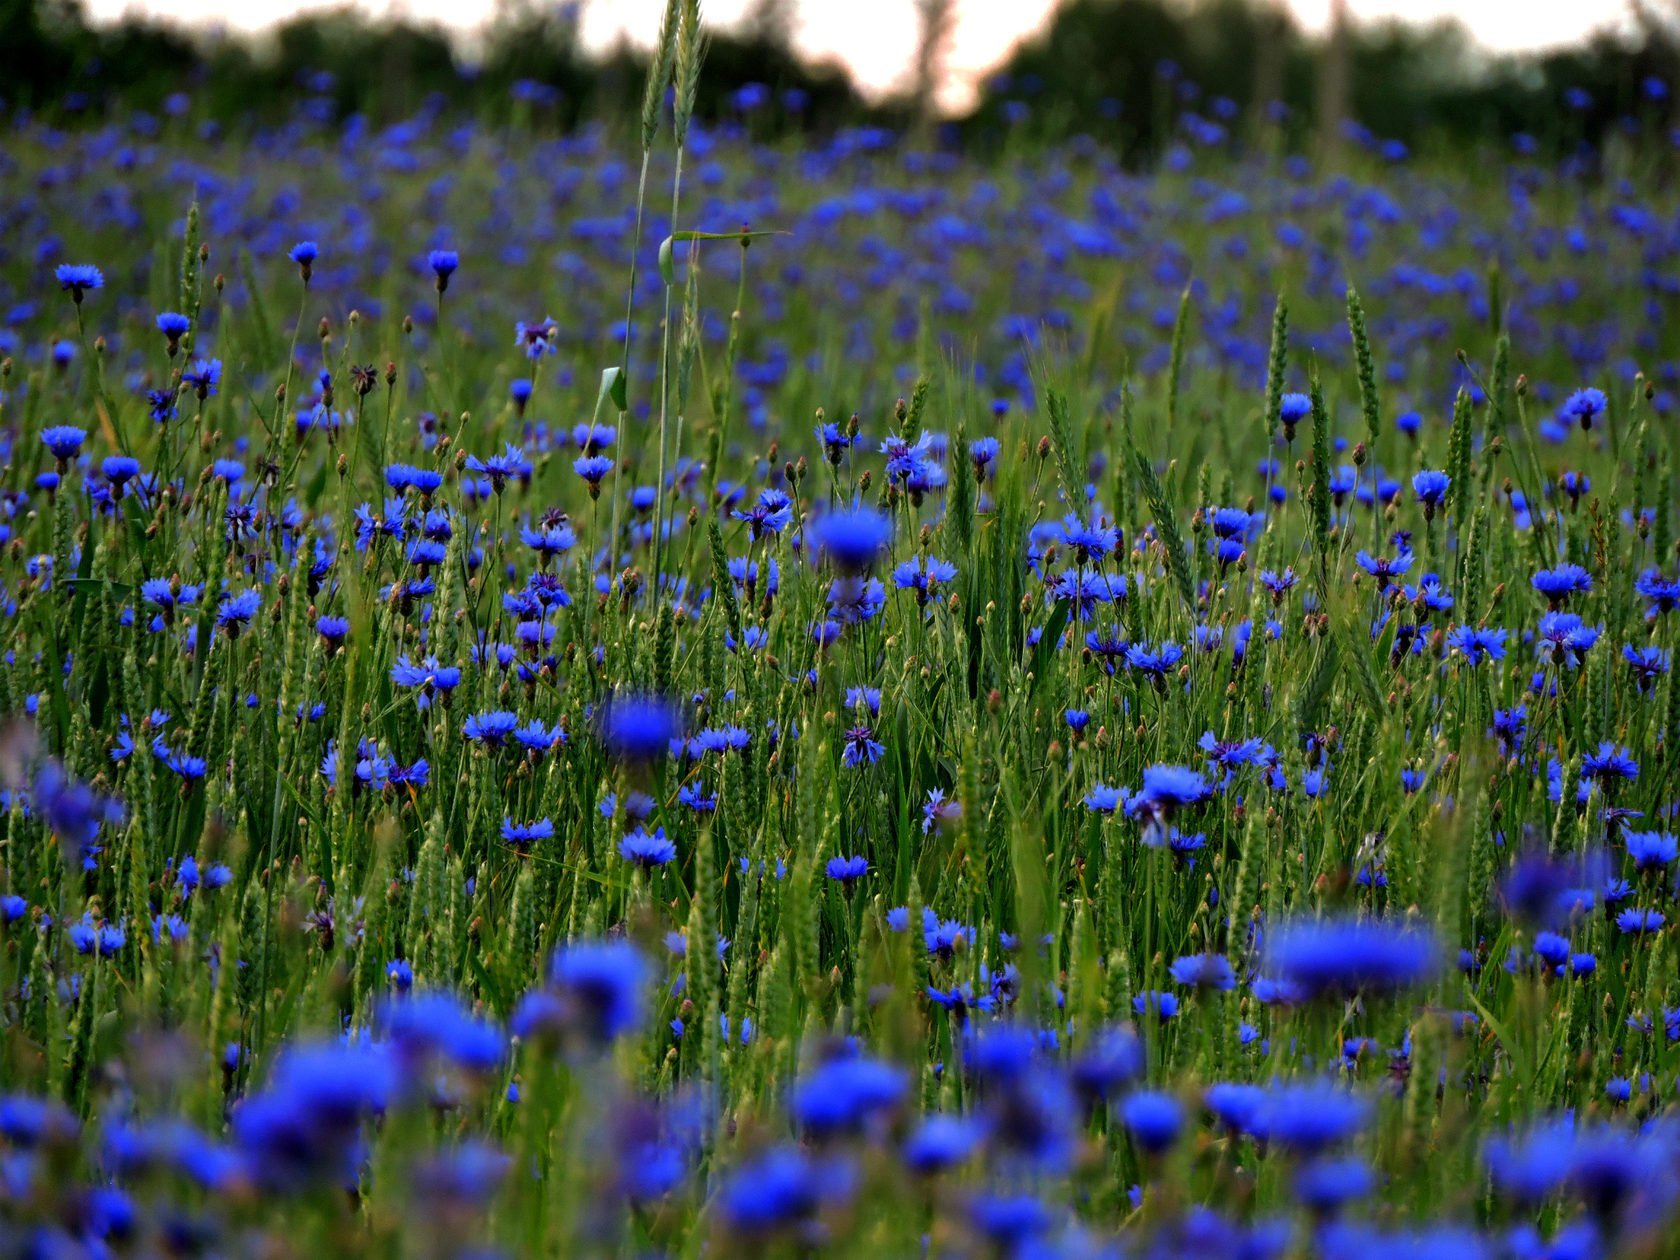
(1098, 712)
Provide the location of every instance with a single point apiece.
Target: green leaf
(614, 388)
(721, 236)
(667, 247)
(1047, 642)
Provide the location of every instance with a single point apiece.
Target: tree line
(1134, 74)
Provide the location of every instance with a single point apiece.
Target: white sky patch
(876, 39)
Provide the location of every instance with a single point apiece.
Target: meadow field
(656, 692)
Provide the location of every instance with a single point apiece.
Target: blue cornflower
(1558, 584)
(1651, 850)
(591, 438)
(1431, 488)
(939, 811)
(695, 796)
(1104, 1068)
(1293, 409)
(236, 611)
(855, 600)
(1429, 593)
(64, 441)
(906, 461)
(852, 538)
(491, 729)
(779, 1189)
(1102, 799)
(1477, 644)
(1159, 1003)
(770, 515)
(1309, 1117)
(1584, 405)
(1166, 788)
(1204, 971)
(1235, 1105)
(511, 464)
(1153, 1119)
(1011, 1223)
(1529, 1168)
(1324, 1185)
(847, 870)
(421, 1028)
(443, 263)
(1562, 638)
(941, 1142)
(186, 873)
(1086, 590)
(603, 981)
(77, 279)
(1648, 665)
(638, 728)
(304, 254)
(1511, 728)
(867, 697)
(923, 575)
(843, 1095)
(1636, 922)
(1228, 754)
(173, 326)
(119, 470)
(861, 747)
(189, 768)
(203, 376)
(524, 835)
(425, 677)
(1551, 948)
(100, 937)
(1349, 955)
(332, 629)
(1090, 541)
(1662, 592)
(1154, 662)
(536, 339)
(1232, 524)
(519, 392)
(1279, 584)
(1383, 567)
(160, 404)
(647, 849)
(1609, 763)
(835, 440)
(1182, 845)
(942, 936)
(549, 537)
(73, 811)
(593, 468)
(538, 740)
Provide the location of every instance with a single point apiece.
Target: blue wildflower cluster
(1051, 718)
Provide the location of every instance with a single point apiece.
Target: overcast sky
(876, 38)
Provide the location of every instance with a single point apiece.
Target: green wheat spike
(1370, 402)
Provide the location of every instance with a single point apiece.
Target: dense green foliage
(1010, 708)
